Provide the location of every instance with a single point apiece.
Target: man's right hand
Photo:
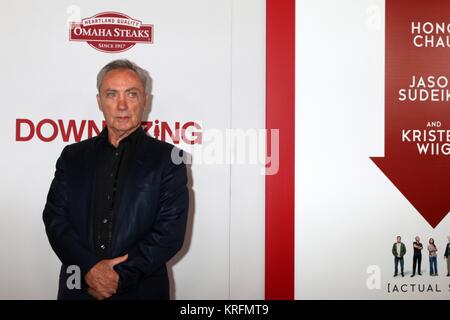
(102, 279)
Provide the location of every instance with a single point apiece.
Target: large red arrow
(421, 175)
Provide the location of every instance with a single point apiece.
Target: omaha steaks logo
(111, 32)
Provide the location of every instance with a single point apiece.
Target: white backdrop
(348, 213)
(208, 65)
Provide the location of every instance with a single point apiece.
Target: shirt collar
(131, 138)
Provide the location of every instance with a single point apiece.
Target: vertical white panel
(46, 76)
(247, 180)
(207, 65)
(348, 213)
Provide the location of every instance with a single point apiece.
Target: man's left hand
(102, 279)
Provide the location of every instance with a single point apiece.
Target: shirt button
(109, 197)
(105, 220)
(102, 247)
(111, 174)
(116, 153)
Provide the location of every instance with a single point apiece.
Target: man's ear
(98, 103)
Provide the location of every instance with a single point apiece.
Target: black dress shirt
(111, 169)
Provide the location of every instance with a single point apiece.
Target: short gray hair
(124, 64)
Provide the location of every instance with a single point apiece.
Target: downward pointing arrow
(424, 184)
(413, 73)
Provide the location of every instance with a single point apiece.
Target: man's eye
(132, 94)
(110, 94)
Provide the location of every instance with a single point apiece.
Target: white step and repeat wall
(207, 61)
(347, 212)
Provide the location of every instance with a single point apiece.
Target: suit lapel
(91, 158)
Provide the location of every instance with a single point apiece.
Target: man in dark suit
(117, 206)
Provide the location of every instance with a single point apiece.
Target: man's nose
(122, 102)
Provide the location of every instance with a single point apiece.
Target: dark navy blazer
(150, 221)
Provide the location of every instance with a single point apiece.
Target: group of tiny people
(399, 251)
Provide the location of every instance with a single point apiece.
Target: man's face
(417, 239)
(399, 239)
(122, 100)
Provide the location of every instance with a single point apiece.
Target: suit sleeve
(61, 235)
(166, 236)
